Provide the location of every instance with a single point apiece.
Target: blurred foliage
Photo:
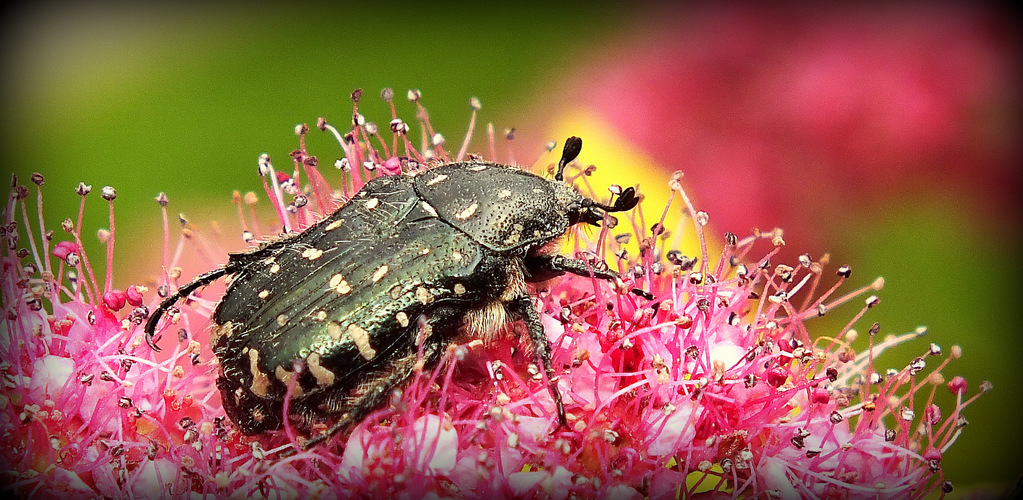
(183, 100)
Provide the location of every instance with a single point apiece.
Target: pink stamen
(110, 250)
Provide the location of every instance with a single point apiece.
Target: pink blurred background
(806, 119)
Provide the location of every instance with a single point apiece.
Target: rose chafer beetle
(336, 310)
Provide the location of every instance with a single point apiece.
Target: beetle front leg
(545, 267)
(523, 306)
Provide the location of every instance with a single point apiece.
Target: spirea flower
(690, 374)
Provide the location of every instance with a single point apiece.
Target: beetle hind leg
(376, 392)
(523, 306)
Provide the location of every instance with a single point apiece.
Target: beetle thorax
(576, 207)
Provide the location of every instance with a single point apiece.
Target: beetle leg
(375, 397)
(545, 267)
(200, 281)
(523, 306)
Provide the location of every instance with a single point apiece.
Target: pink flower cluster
(687, 375)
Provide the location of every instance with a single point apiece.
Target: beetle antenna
(185, 291)
(625, 202)
(573, 145)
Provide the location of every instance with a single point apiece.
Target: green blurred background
(183, 98)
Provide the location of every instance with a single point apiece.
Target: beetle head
(593, 212)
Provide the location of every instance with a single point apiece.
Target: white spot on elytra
(334, 225)
(504, 193)
(435, 180)
(459, 289)
(361, 338)
(260, 381)
(264, 294)
(468, 212)
(423, 295)
(335, 280)
(428, 208)
(323, 376)
(339, 284)
(285, 377)
(275, 268)
(334, 330)
(282, 320)
(312, 253)
(402, 318)
(372, 203)
(379, 273)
